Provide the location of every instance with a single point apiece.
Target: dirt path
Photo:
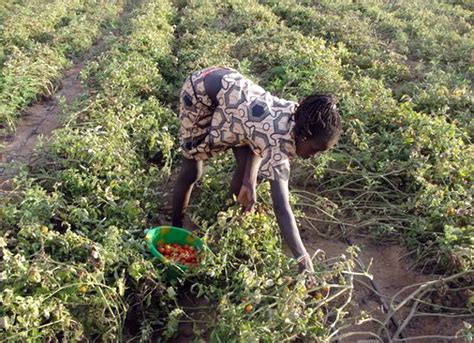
(391, 274)
(41, 118)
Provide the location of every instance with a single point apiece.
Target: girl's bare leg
(191, 171)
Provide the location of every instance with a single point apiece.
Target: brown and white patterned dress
(244, 114)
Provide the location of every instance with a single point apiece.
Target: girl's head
(318, 125)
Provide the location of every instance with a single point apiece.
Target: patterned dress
(243, 113)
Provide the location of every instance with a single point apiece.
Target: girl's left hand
(247, 197)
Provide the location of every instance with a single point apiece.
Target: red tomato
(184, 255)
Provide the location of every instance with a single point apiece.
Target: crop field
(73, 263)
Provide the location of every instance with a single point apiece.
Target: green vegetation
(73, 263)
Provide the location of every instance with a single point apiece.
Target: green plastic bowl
(169, 235)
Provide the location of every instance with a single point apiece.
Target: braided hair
(317, 116)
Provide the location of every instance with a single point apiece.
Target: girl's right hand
(247, 197)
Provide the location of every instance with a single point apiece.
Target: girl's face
(311, 146)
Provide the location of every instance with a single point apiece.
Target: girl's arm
(247, 195)
(287, 223)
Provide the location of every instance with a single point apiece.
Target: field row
(38, 41)
(74, 265)
(419, 49)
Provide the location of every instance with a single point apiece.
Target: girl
(221, 109)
